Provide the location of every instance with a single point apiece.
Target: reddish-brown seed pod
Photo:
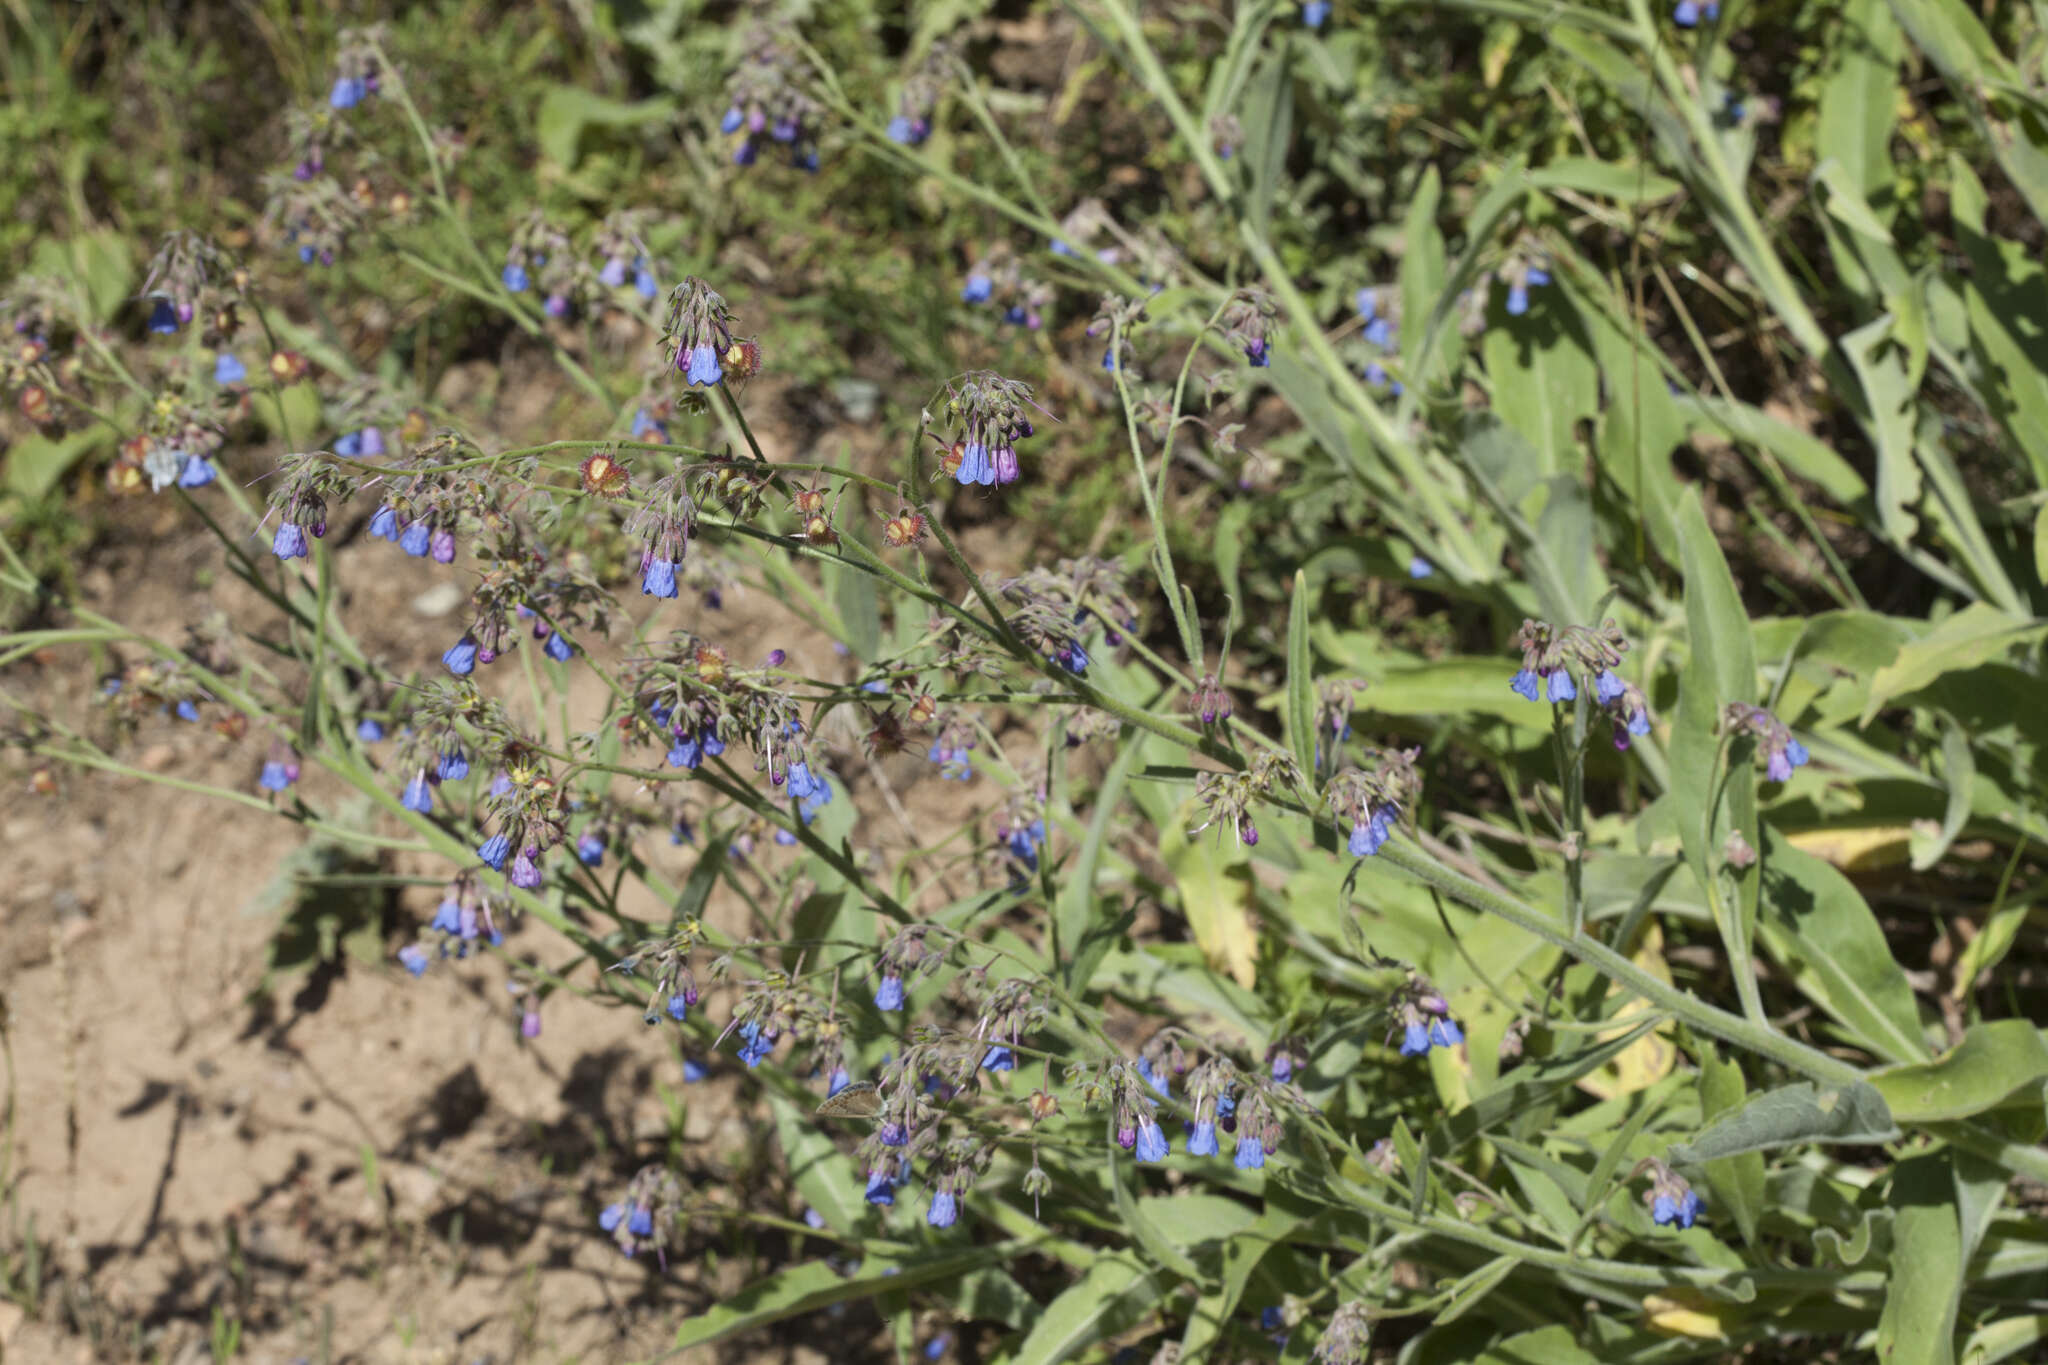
(604, 476)
(904, 529)
(125, 478)
(742, 360)
(36, 405)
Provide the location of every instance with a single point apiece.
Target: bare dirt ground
(357, 1165)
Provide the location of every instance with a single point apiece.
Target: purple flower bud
(945, 1209)
(889, 995)
(526, 868)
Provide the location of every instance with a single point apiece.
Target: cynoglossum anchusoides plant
(1377, 980)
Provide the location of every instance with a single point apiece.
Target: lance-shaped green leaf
(813, 1285)
(1999, 1063)
(1790, 1116)
(1817, 926)
(824, 1175)
(1737, 1179)
(1241, 1253)
(1970, 60)
(1918, 1323)
(1859, 97)
(1156, 1245)
(1544, 383)
(1881, 366)
(1117, 1291)
(1301, 692)
(1721, 668)
(1977, 634)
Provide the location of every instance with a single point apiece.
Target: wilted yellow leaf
(1500, 45)
(1856, 849)
(1215, 881)
(1648, 1059)
(1686, 1313)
